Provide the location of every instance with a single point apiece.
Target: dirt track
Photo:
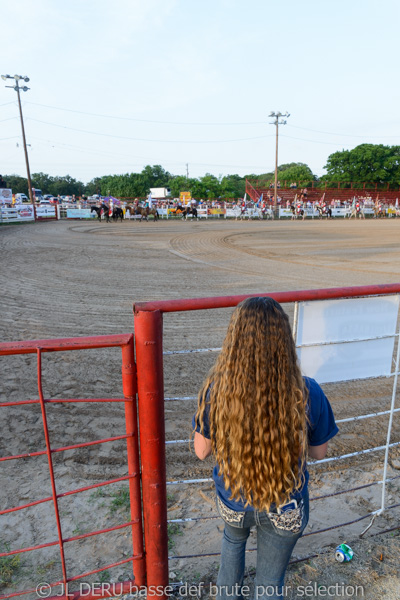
(70, 279)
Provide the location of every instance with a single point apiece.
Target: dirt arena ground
(68, 279)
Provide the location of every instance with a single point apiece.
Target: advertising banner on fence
(185, 197)
(5, 196)
(79, 213)
(339, 340)
(16, 213)
(216, 211)
(45, 212)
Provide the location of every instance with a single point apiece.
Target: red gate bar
(282, 297)
(148, 343)
(129, 386)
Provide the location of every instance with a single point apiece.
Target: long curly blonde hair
(257, 398)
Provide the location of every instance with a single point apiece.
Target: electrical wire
(130, 157)
(80, 112)
(121, 137)
(343, 134)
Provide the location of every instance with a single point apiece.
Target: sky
(188, 84)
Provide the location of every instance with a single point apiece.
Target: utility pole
(277, 122)
(187, 171)
(16, 87)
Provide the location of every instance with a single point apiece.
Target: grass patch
(104, 577)
(173, 529)
(9, 565)
(120, 500)
(42, 570)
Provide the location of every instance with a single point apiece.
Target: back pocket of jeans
(289, 520)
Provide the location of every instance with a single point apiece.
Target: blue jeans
(274, 549)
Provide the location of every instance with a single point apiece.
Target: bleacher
(314, 194)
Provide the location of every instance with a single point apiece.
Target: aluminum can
(343, 553)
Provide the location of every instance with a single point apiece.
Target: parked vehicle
(21, 198)
(37, 194)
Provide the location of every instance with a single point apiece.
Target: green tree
(233, 186)
(209, 187)
(18, 185)
(367, 163)
(299, 173)
(42, 181)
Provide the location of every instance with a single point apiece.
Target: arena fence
(125, 342)
(147, 474)
(149, 357)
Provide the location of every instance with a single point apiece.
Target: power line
(80, 112)
(121, 137)
(343, 134)
(290, 137)
(144, 158)
(105, 153)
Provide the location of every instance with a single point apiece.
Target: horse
(143, 211)
(98, 209)
(269, 213)
(257, 213)
(357, 211)
(378, 211)
(135, 209)
(118, 213)
(178, 210)
(324, 211)
(154, 212)
(189, 210)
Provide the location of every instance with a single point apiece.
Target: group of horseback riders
(109, 212)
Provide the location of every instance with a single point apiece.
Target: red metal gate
(38, 347)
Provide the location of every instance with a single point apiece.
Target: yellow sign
(185, 197)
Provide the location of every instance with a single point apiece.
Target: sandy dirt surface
(68, 279)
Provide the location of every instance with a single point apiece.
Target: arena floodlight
(5, 77)
(25, 89)
(26, 79)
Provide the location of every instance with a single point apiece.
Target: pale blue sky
(119, 84)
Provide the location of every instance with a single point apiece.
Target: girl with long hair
(259, 417)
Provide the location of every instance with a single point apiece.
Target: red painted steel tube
(70, 493)
(149, 361)
(129, 387)
(71, 539)
(64, 400)
(64, 448)
(64, 344)
(293, 296)
(50, 461)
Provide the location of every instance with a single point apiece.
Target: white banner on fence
(45, 211)
(79, 213)
(345, 339)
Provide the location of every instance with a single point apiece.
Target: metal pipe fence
(154, 312)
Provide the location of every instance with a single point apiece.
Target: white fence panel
(339, 340)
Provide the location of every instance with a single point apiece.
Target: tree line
(365, 164)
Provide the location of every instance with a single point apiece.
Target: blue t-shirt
(321, 428)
